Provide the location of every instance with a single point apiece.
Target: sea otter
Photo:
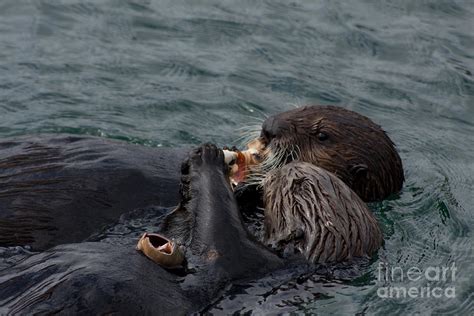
(61, 189)
(103, 278)
(343, 142)
(219, 250)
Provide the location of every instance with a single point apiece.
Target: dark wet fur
(63, 189)
(56, 190)
(102, 278)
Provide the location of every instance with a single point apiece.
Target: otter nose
(273, 127)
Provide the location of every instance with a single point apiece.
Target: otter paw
(206, 158)
(207, 155)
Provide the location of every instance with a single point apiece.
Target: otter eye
(322, 136)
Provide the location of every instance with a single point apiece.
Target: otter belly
(60, 189)
(112, 277)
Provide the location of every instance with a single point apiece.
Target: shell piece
(161, 250)
(229, 156)
(239, 163)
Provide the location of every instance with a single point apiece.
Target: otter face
(343, 142)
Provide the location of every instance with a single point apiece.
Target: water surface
(170, 73)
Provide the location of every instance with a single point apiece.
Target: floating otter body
(318, 162)
(51, 185)
(62, 189)
(100, 278)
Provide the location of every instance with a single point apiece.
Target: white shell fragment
(229, 156)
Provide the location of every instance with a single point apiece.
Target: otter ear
(359, 171)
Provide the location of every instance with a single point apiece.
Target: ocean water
(175, 73)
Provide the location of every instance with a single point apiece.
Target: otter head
(343, 142)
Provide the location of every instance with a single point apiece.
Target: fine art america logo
(435, 278)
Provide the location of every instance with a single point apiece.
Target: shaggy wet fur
(311, 211)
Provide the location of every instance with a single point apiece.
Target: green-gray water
(170, 73)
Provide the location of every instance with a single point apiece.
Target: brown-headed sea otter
(316, 163)
(82, 183)
(343, 142)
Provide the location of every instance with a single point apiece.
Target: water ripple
(170, 73)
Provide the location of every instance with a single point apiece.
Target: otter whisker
(243, 140)
(247, 137)
(298, 150)
(274, 160)
(249, 134)
(294, 152)
(296, 104)
(251, 126)
(256, 118)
